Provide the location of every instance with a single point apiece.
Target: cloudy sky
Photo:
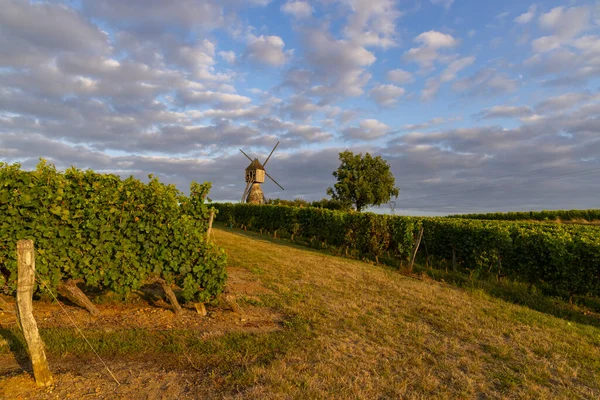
(477, 105)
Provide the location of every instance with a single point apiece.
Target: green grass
(357, 330)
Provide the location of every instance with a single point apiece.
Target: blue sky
(477, 106)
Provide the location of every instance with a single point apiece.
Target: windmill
(255, 175)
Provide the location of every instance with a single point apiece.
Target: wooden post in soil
(210, 222)
(453, 259)
(24, 306)
(416, 248)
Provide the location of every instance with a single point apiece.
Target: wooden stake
(453, 259)
(414, 253)
(201, 308)
(24, 306)
(4, 306)
(230, 300)
(70, 290)
(210, 222)
(499, 266)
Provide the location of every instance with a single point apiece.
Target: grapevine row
(564, 256)
(111, 233)
(556, 215)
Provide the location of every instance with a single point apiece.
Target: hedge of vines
(564, 256)
(110, 232)
(556, 215)
(363, 233)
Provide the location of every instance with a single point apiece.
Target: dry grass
(378, 334)
(350, 330)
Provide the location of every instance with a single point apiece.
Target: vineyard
(107, 232)
(556, 215)
(567, 257)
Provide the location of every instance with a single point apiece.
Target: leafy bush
(112, 233)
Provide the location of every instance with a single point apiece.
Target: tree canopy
(363, 181)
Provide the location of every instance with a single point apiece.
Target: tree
(363, 181)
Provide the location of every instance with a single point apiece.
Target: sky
(478, 106)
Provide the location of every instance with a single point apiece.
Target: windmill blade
(274, 180)
(267, 160)
(246, 155)
(245, 192)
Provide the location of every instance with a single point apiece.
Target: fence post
(414, 253)
(25, 280)
(210, 222)
(453, 259)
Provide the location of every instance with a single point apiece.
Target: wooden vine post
(416, 248)
(26, 279)
(210, 222)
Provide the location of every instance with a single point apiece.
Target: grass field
(349, 330)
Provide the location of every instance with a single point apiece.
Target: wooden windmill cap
(255, 164)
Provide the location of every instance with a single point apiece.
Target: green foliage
(565, 257)
(112, 233)
(363, 181)
(290, 203)
(363, 233)
(323, 203)
(330, 204)
(556, 215)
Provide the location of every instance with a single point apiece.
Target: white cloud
(455, 67)
(436, 40)
(562, 102)
(528, 16)
(546, 43)
(299, 9)
(400, 76)
(223, 100)
(372, 22)
(432, 87)
(338, 64)
(228, 56)
(204, 15)
(427, 54)
(429, 124)
(267, 50)
(566, 22)
(487, 81)
(505, 112)
(33, 33)
(386, 95)
(368, 129)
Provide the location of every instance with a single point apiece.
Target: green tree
(363, 181)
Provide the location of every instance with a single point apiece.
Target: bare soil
(144, 377)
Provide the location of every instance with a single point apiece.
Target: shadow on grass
(586, 310)
(16, 345)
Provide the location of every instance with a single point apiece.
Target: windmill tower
(255, 175)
